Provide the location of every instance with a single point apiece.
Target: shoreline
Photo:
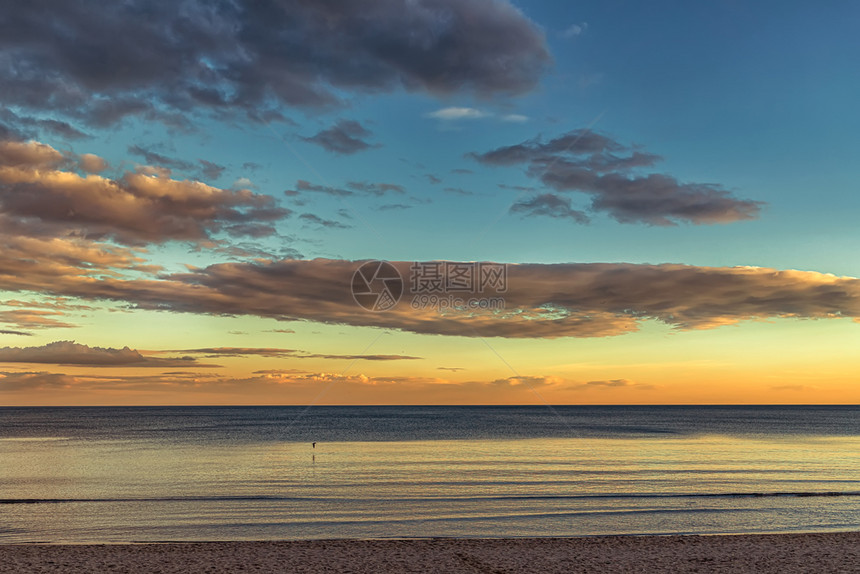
(783, 553)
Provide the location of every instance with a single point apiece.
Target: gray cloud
(154, 158)
(541, 301)
(29, 127)
(516, 187)
(160, 59)
(317, 220)
(21, 333)
(211, 170)
(306, 186)
(550, 205)
(71, 353)
(378, 189)
(344, 137)
(595, 164)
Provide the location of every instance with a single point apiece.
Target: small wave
(641, 496)
(33, 438)
(153, 499)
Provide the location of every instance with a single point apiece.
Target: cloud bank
(607, 171)
(71, 353)
(541, 301)
(98, 63)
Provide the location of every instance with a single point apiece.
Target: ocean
(111, 475)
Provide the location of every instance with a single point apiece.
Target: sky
(429, 202)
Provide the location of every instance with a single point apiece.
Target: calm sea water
(250, 473)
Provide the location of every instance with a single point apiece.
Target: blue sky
(756, 98)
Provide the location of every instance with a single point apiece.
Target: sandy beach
(782, 553)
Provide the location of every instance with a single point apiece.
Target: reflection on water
(167, 487)
(125, 490)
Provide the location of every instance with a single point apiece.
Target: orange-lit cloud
(215, 352)
(143, 206)
(290, 386)
(541, 301)
(71, 353)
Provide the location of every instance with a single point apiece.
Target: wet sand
(759, 553)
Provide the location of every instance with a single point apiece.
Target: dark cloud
(211, 170)
(100, 62)
(157, 159)
(378, 189)
(28, 127)
(40, 194)
(432, 179)
(393, 206)
(462, 171)
(252, 250)
(344, 137)
(516, 187)
(317, 220)
(254, 230)
(595, 164)
(549, 205)
(71, 353)
(8, 133)
(21, 333)
(306, 186)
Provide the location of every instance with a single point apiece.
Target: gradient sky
(187, 188)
